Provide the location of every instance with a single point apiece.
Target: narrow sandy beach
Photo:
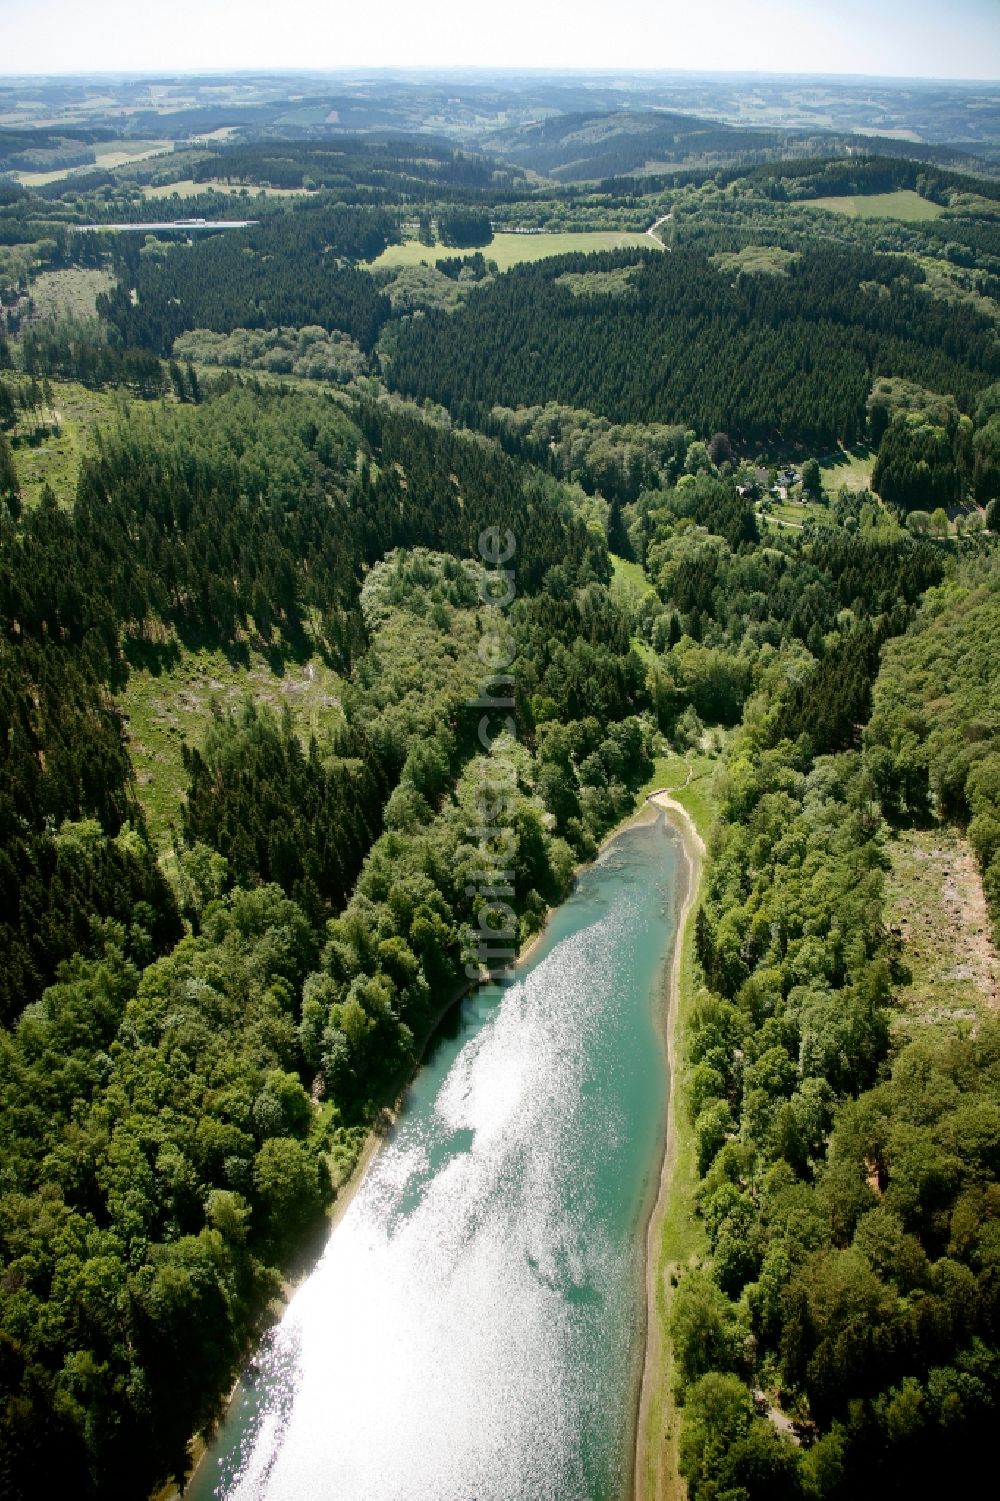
(653, 1372)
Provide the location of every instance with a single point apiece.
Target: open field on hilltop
(509, 249)
(42, 179)
(188, 188)
(123, 153)
(223, 133)
(901, 133)
(901, 204)
(165, 708)
(108, 154)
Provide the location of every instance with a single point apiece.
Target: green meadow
(509, 249)
(902, 204)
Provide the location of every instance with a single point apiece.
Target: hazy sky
(930, 38)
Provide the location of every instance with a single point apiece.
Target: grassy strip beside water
(679, 1238)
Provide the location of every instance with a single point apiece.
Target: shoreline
(388, 1112)
(377, 1135)
(693, 847)
(390, 1108)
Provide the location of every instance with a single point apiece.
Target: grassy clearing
(795, 513)
(71, 293)
(165, 708)
(956, 284)
(689, 777)
(950, 970)
(629, 583)
(698, 797)
(669, 772)
(851, 467)
(757, 260)
(645, 651)
(787, 511)
(598, 283)
(902, 204)
(54, 457)
(509, 249)
(188, 188)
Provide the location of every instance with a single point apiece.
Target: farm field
(902, 204)
(510, 249)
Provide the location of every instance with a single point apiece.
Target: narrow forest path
(651, 231)
(796, 526)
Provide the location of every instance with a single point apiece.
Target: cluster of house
(758, 482)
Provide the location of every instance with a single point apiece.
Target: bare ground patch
(937, 909)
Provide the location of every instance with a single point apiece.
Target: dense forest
(357, 167)
(761, 357)
(286, 272)
(168, 528)
(848, 1187)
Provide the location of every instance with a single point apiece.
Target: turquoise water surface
(473, 1331)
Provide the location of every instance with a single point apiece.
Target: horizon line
(493, 70)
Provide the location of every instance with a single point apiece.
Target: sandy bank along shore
(649, 1472)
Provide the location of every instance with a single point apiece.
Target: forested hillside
(847, 1185)
(932, 738)
(285, 272)
(758, 358)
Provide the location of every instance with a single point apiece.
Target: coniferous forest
(756, 358)
(750, 464)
